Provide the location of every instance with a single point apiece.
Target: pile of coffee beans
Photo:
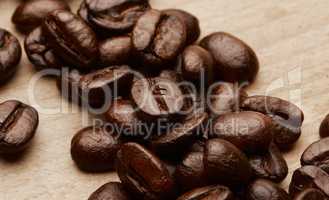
(177, 120)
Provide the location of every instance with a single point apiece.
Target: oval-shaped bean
(110, 191)
(317, 154)
(287, 118)
(249, 131)
(225, 163)
(262, 189)
(235, 61)
(324, 127)
(216, 192)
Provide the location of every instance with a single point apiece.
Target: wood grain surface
(291, 39)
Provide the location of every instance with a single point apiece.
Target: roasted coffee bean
(94, 149)
(158, 38)
(225, 163)
(18, 124)
(39, 53)
(71, 38)
(29, 14)
(157, 98)
(197, 65)
(100, 87)
(190, 173)
(68, 85)
(287, 117)
(191, 22)
(317, 154)
(311, 194)
(324, 127)
(115, 51)
(116, 15)
(309, 177)
(249, 131)
(110, 191)
(235, 61)
(262, 189)
(143, 174)
(225, 98)
(269, 165)
(10, 55)
(216, 192)
(122, 113)
(181, 136)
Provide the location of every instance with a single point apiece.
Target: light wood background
(291, 39)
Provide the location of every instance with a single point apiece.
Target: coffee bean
(71, 38)
(317, 154)
(94, 149)
(143, 173)
(191, 22)
(18, 124)
(158, 38)
(216, 192)
(10, 55)
(123, 114)
(110, 191)
(269, 165)
(181, 136)
(197, 65)
(225, 163)
(249, 131)
(100, 87)
(157, 98)
(190, 173)
(287, 117)
(311, 194)
(309, 177)
(115, 51)
(235, 61)
(39, 53)
(29, 14)
(262, 189)
(68, 85)
(324, 127)
(116, 15)
(225, 98)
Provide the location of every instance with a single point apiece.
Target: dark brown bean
(157, 98)
(225, 163)
(71, 38)
(191, 22)
(110, 191)
(143, 173)
(115, 51)
(249, 131)
(29, 14)
(18, 124)
(115, 15)
(324, 127)
(94, 149)
(225, 98)
(100, 87)
(309, 177)
(287, 117)
(235, 61)
(262, 189)
(39, 53)
(317, 154)
(158, 38)
(190, 173)
(311, 194)
(197, 64)
(216, 192)
(269, 165)
(10, 55)
(181, 136)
